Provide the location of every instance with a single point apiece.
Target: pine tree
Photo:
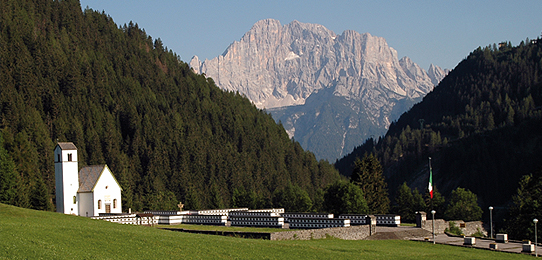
(408, 202)
(242, 198)
(527, 206)
(404, 204)
(40, 196)
(367, 174)
(418, 203)
(8, 177)
(438, 203)
(192, 201)
(216, 199)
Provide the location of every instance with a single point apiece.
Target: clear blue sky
(438, 32)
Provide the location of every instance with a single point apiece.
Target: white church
(86, 192)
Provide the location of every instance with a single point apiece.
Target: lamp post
(433, 225)
(535, 237)
(491, 220)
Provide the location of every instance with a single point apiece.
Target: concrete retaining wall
(468, 228)
(253, 235)
(346, 233)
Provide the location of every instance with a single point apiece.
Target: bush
(454, 229)
(463, 205)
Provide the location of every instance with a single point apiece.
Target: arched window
(99, 204)
(114, 203)
(74, 200)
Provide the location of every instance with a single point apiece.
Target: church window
(59, 158)
(99, 204)
(69, 157)
(74, 199)
(114, 203)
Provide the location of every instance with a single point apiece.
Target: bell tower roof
(67, 146)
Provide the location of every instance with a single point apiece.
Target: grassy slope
(34, 234)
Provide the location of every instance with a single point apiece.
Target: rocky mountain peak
(436, 73)
(278, 65)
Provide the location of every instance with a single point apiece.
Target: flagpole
(431, 183)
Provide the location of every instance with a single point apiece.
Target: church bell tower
(66, 178)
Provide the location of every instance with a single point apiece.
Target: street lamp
(491, 220)
(535, 237)
(433, 212)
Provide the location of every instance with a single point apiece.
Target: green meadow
(30, 234)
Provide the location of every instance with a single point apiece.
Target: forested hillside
(124, 99)
(482, 125)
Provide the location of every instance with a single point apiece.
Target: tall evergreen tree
(367, 174)
(243, 198)
(216, 198)
(418, 203)
(40, 196)
(404, 204)
(437, 203)
(527, 205)
(408, 202)
(8, 177)
(192, 200)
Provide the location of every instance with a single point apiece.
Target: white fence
(313, 223)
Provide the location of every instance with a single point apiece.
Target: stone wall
(468, 228)
(440, 225)
(346, 233)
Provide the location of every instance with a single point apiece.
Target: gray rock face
(277, 66)
(436, 73)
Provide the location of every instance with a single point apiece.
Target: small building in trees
(86, 192)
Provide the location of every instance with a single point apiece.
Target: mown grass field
(29, 234)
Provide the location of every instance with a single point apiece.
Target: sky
(429, 32)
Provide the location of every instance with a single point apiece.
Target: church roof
(67, 146)
(88, 176)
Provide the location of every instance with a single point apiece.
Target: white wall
(67, 181)
(86, 208)
(107, 190)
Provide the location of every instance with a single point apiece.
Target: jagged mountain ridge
(277, 66)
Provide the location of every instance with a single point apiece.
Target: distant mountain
(482, 126)
(359, 83)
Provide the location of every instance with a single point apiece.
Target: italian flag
(430, 180)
